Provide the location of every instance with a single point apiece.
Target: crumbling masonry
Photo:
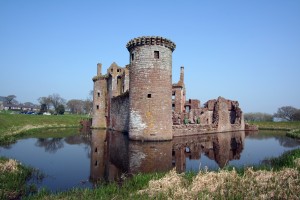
(140, 98)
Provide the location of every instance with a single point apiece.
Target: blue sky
(242, 50)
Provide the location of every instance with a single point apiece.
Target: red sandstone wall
(119, 113)
(150, 92)
(99, 103)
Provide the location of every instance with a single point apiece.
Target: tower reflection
(113, 155)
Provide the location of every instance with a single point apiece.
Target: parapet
(150, 40)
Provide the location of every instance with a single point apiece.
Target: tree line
(285, 113)
(55, 104)
(59, 104)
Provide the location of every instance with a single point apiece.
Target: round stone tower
(150, 88)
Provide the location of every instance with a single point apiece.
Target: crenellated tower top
(150, 40)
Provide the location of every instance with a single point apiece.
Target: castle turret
(99, 99)
(150, 88)
(181, 75)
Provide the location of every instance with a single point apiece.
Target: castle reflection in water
(113, 155)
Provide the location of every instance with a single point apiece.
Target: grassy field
(12, 125)
(292, 128)
(277, 125)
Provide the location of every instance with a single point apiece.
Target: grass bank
(292, 128)
(294, 133)
(279, 180)
(13, 178)
(286, 126)
(12, 125)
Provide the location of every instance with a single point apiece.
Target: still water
(83, 159)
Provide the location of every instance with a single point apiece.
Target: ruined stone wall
(150, 88)
(192, 129)
(126, 79)
(222, 115)
(115, 73)
(206, 117)
(178, 100)
(119, 113)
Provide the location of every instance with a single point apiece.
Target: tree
(296, 116)
(43, 108)
(88, 106)
(10, 98)
(29, 104)
(45, 101)
(258, 117)
(60, 109)
(56, 101)
(286, 113)
(75, 106)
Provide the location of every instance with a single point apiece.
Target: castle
(140, 98)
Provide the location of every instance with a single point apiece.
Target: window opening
(132, 56)
(187, 108)
(96, 163)
(98, 94)
(97, 107)
(149, 95)
(96, 149)
(156, 54)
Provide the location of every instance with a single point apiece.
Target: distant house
(19, 107)
(10, 106)
(1, 105)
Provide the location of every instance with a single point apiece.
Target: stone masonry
(140, 98)
(150, 81)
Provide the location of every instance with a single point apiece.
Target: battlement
(98, 77)
(150, 40)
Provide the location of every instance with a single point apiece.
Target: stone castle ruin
(140, 98)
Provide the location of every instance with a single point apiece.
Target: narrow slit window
(97, 107)
(96, 150)
(132, 56)
(149, 95)
(98, 94)
(96, 163)
(156, 54)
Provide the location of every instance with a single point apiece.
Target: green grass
(13, 182)
(277, 125)
(294, 133)
(292, 128)
(105, 191)
(285, 160)
(12, 125)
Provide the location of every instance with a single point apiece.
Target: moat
(83, 159)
